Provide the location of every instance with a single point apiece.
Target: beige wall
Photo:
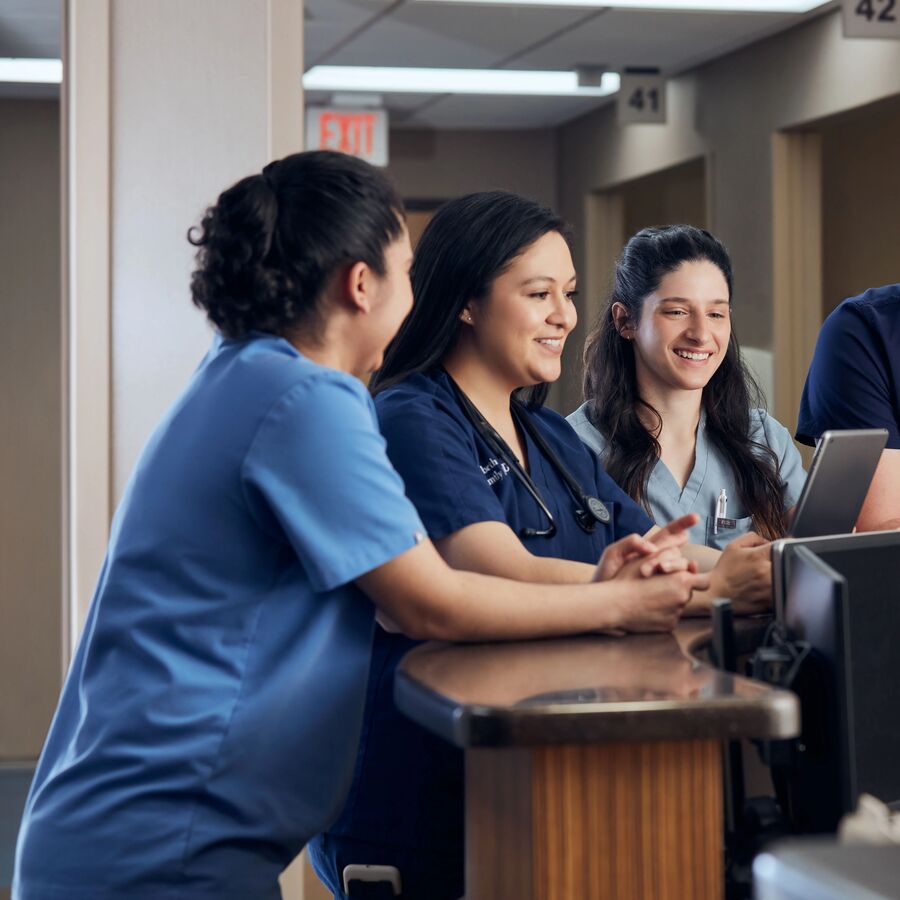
(30, 423)
(166, 170)
(727, 111)
(443, 164)
(860, 202)
(172, 120)
(676, 195)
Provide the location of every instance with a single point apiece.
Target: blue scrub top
(711, 473)
(854, 377)
(209, 721)
(405, 806)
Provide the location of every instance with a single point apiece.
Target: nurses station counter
(593, 764)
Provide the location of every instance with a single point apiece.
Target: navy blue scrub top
(854, 377)
(209, 721)
(405, 806)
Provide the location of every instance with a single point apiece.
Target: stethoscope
(588, 511)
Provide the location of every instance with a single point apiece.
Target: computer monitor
(842, 595)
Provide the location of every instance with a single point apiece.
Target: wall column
(165, 104)
(796, 263)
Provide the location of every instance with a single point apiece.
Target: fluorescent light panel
(31, 71)
(399, 80)
(762, 6)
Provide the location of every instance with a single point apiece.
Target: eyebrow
(546, 278)
(686, 300)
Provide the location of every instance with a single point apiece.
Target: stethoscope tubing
(589, 510)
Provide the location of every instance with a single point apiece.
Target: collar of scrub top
(588, 511)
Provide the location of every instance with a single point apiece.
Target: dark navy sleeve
(435, 454)
(850, 382)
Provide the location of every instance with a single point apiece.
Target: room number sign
(871, 18)
(642, 98)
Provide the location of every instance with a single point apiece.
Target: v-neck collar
(686, 497)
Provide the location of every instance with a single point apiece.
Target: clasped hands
(742, 572)
(659, 553)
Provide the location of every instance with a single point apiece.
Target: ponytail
(271, 242)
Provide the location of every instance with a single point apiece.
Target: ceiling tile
(452, 36)
(30, 28)
(458, 112)
(670, 41)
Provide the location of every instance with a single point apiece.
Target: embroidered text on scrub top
(495, 470)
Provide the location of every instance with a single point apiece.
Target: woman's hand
(658, 547)
(744, 574)
(654, 603)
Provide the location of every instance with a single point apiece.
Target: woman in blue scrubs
(671, 408)
(459, 401)
(209, 721)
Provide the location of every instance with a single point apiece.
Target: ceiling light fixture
(394, 80)
(725, 6)
(31, 71)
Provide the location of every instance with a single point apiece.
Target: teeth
(685, 354)
(550, 342)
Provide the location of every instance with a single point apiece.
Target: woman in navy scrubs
(209, 721)
(459, 401)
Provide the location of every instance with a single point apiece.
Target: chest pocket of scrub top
(726, 535)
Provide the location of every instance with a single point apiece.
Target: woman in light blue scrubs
(671, 408)
(209, 721)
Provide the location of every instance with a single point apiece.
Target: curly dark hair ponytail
(271, 242)
(611, 389)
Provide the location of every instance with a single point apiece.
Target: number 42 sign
(871, 18)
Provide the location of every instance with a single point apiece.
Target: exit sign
(359, 132)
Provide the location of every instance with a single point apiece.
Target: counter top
(589, 689)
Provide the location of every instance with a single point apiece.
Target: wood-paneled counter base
(617, 821)
(593, 764)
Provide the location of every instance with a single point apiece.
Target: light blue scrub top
(710, 474)
(209, 722)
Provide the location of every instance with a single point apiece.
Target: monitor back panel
(873, 650)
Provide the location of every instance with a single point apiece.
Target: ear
(622, 321)
(360, 283)
(465, 315)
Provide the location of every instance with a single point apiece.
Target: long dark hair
(269, 244)
(468, 243)
(614, 403)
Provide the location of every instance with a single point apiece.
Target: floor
(14, 783)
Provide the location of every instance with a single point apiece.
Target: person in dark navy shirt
(854, 382)
(459, 401)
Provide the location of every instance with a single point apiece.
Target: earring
(468, 318)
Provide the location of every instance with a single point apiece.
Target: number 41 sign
(871, 18)
(642, 98)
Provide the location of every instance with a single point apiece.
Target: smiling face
(519, 330)
(684, 329)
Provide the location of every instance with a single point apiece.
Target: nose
(698, 329)
(563, 315)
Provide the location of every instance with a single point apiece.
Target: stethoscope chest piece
(598, 510)
(590, 510)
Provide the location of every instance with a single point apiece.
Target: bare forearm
(492, 548)
(881, 511)
(705, 557)
(515, 611)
